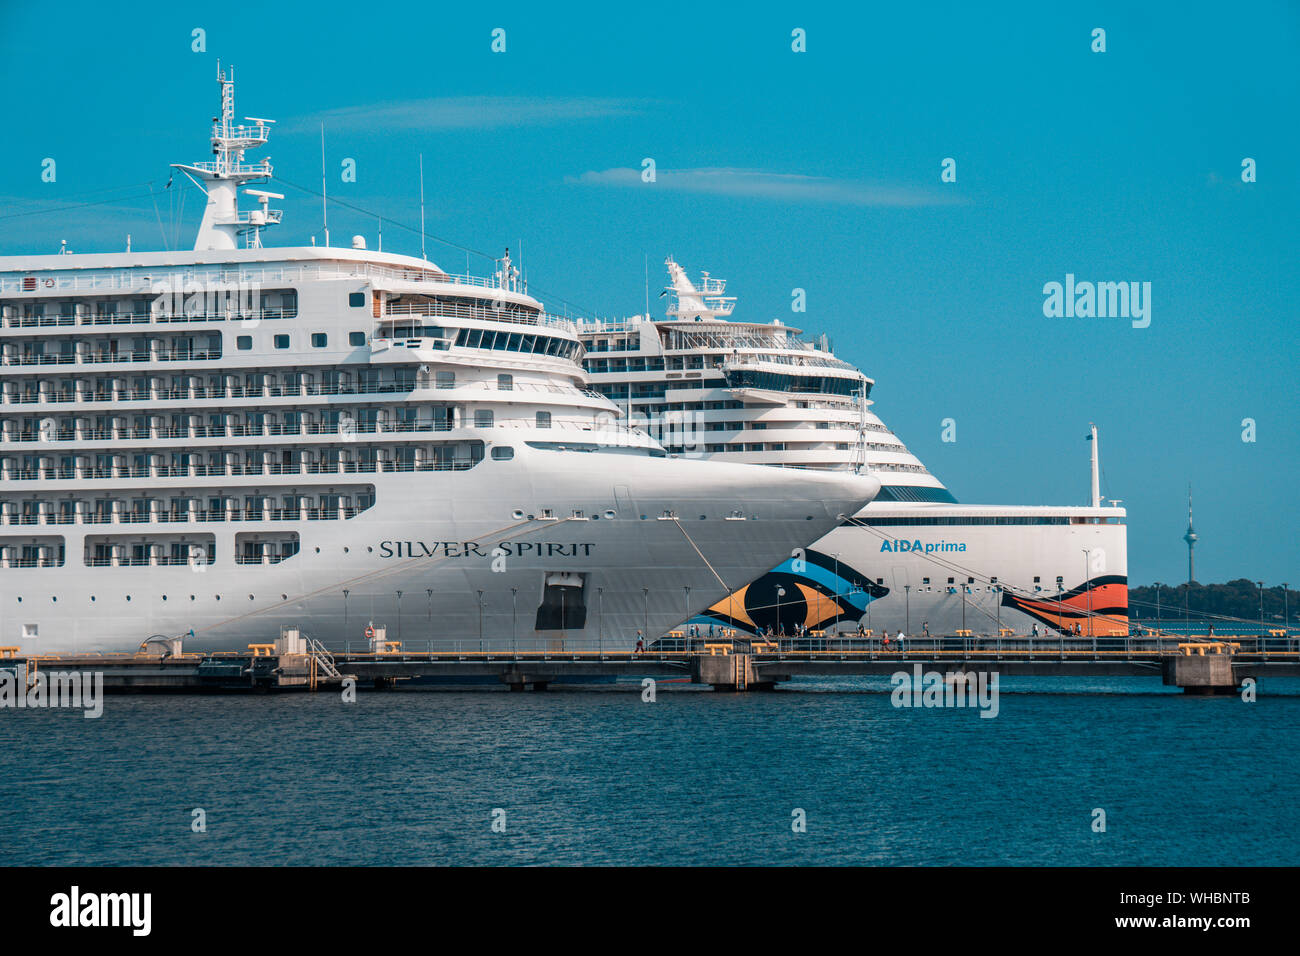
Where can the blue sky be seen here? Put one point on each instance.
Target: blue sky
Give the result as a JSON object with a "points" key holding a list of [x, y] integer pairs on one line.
{"points": [[776, 170]]}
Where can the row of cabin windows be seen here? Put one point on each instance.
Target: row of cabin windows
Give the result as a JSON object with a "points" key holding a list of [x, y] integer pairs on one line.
{"points": [[319, 340]]}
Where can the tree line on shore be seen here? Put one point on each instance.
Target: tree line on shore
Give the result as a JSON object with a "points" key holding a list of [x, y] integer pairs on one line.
{"points": [[1233, 599]]}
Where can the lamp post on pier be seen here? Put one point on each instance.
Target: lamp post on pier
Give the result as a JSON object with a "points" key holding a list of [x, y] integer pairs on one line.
{"points": [[780, 593], [1087, 583], [687, 605]]}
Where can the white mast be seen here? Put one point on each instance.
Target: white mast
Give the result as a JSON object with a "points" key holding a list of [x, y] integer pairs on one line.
{"points": [[324, 200], [423, 254], [1096, 468], [223, 223]]}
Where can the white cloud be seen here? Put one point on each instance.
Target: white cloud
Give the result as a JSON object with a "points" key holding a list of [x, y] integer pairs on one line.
{"points": [[754, 183], [468, 112]]}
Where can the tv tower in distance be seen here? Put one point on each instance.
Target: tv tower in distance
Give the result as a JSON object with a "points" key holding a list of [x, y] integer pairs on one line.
{"points": [[1191, 538]]}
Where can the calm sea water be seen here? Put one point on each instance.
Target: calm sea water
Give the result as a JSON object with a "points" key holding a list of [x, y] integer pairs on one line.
{"points": [[598, 776]]}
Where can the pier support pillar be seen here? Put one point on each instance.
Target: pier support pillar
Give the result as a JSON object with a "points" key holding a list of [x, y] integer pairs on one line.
{"points": [[734, 672], [518, 680], [1201, 674]]}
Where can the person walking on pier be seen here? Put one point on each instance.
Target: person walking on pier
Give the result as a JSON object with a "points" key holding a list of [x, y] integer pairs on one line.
{"points": [[640, 642], [1035, 631]]}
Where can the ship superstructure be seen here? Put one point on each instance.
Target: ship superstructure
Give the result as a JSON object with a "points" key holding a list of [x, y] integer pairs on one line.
{"points": [[228, 439], [748, 392], [912, 560]]}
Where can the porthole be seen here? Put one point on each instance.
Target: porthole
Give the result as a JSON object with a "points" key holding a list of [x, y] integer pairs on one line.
{"points": [[284, 597], [346, 549], [250, 597], [517, 515], [217, 596], [318, 550], [609, 514], [92, 597], [128, 597], [164, 597], [20, 600], [53, 598], [370, 547], [191, 597]]}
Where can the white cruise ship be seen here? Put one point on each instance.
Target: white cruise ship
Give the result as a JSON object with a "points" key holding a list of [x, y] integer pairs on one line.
{"points": [[914, 559], [220, 441]]}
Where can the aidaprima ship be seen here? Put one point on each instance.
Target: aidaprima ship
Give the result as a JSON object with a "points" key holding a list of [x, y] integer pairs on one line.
{"points": [[914, 560], [217, 442]]}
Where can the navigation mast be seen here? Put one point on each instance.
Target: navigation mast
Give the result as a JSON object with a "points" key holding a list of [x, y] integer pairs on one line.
{"points": [[709, 301], [223, 223]]}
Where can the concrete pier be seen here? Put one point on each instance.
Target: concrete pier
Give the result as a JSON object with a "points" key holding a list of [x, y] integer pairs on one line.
{"points": [[293, 663], [1202, 674]]}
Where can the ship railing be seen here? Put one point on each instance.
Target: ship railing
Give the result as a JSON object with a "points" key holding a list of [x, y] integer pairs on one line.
{"points": [[236, 470], [313, 513], [139, 279], [236, 169], [263, 558], [111, 358], [147, 318], [485, 314], [845, 645], [137, 561], [304, 389], [270, 429]]}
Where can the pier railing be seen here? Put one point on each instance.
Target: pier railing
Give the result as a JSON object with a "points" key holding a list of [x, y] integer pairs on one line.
{"points": [[1020, 647]]}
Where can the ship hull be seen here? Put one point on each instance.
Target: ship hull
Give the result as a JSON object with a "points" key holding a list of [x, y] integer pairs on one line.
{"points": [[914, 577], [454, 560]]}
